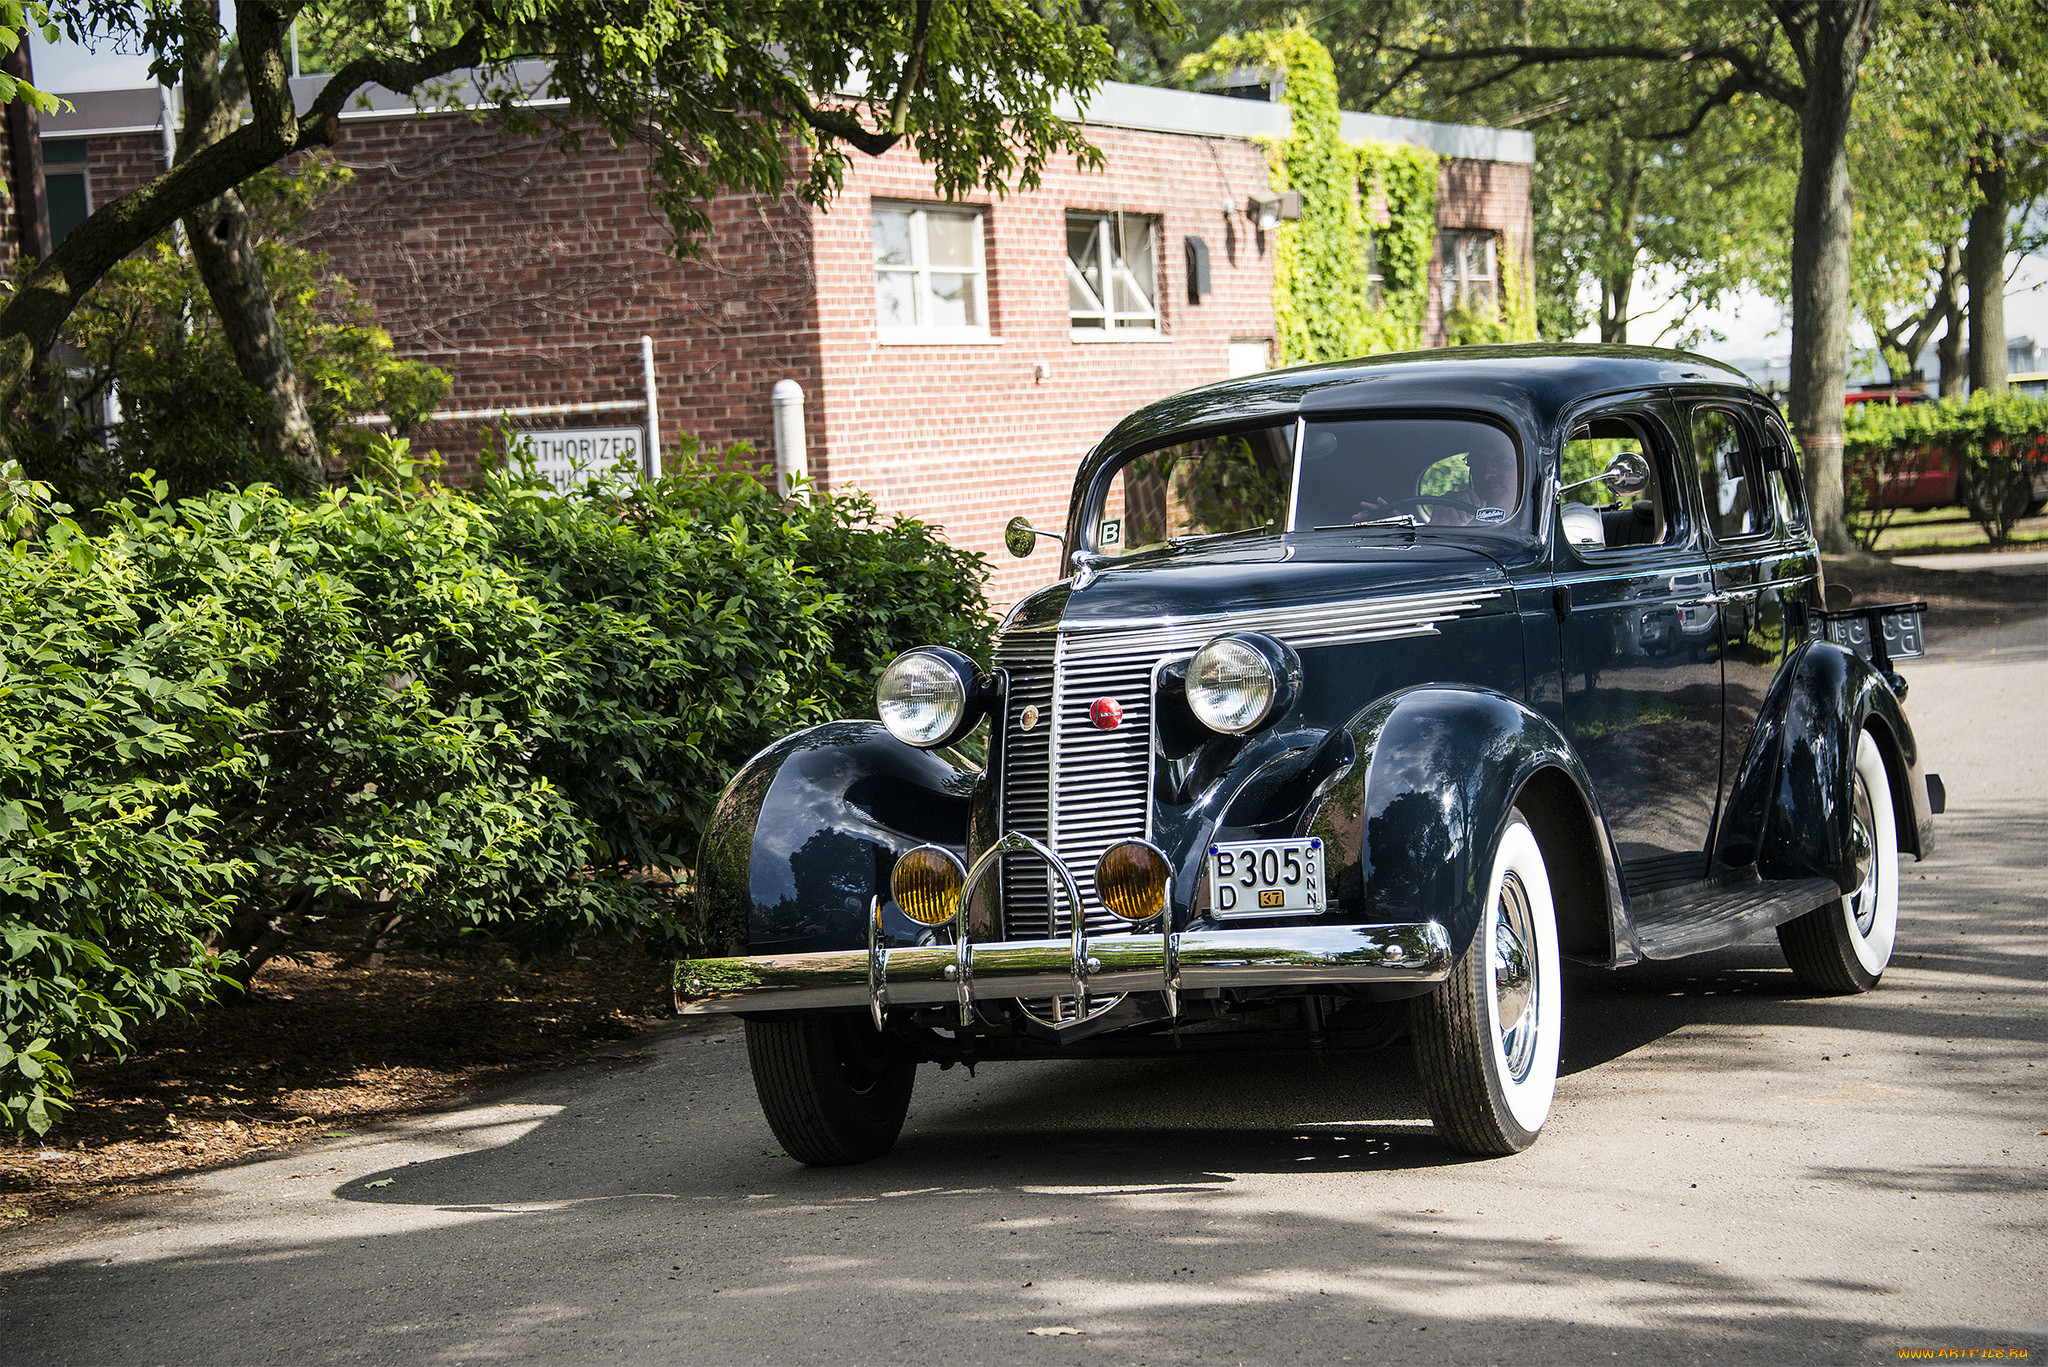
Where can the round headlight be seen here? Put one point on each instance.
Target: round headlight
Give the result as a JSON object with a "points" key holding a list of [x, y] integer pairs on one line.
{"points": [[923, 696], [1130, 878], [926, 885], [1236, 682]]}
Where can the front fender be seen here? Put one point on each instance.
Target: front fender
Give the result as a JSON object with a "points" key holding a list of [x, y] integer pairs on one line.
{"points": [[1412, 826], [808, 831], [1789, 808]]}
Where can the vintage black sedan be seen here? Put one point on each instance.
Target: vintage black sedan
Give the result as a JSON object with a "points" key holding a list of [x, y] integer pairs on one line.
{"points": [[1372, 692]]}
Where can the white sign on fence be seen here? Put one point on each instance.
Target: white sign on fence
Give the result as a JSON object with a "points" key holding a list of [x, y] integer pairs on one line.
{"points": [[569, 457]]}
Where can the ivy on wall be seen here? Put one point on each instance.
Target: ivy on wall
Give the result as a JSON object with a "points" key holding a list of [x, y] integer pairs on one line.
{"points": [[1322, 308], [1403, 180]]}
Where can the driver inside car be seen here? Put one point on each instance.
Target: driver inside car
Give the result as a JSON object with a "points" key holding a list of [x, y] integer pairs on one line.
{"points": [[1491, 492]]}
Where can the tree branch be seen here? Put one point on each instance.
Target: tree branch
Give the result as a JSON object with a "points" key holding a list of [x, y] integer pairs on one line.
{"points": [[841, 124], [913, 70]]}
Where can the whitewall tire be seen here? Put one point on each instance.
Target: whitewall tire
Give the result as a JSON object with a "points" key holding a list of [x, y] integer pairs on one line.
{"points": [[1487, 1039], [1844, 947]]}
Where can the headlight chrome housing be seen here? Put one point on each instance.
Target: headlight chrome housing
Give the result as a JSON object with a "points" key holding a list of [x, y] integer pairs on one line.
{"points": [[1241, 681], [929, 697]]}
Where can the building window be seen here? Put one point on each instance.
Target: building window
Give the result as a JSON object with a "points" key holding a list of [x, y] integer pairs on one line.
{"points": [[1112, 275], [64, 187], [1375, 278], [1471, 280], [929, 277]]}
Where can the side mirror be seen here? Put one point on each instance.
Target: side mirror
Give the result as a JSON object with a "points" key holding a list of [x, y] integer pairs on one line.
{"points": [[1627, 474], [1020, 538]]}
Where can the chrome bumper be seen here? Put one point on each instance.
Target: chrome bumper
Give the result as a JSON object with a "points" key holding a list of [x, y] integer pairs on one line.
{"points": [[921, 975]]}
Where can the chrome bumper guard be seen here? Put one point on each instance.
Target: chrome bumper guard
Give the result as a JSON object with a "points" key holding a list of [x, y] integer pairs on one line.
{"points": [[923, 975]]}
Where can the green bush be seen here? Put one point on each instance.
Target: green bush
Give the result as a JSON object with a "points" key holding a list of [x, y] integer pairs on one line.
{"points": [[1999, 441], [225, 717]]}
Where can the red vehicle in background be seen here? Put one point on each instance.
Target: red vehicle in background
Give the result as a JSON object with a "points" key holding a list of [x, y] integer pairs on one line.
{"points": [[1930, 477]]}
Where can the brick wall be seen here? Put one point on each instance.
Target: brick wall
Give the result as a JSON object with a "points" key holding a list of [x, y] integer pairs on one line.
{"points": [[967, 435], [531, 276], [1489, 195]]}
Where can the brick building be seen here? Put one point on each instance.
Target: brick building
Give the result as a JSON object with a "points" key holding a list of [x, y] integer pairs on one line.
{"points": [[956, 359]]}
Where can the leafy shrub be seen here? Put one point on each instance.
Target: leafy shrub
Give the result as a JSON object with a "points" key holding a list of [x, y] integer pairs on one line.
{"points": [[1999, 440], [226, 716]]}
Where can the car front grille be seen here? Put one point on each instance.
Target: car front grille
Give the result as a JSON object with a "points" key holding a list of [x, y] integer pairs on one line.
{"points": [[1067, 782]]}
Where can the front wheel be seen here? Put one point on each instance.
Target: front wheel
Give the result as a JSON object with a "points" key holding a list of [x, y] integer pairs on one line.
{"points": [[834, 1090], [1843, 948], [1486, 1040]]}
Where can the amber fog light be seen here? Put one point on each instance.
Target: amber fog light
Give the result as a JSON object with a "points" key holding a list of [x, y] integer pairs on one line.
{"points": [[927, 883], [1130, 878]]}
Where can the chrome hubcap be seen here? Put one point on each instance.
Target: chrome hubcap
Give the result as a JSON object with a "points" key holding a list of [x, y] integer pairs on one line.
{"points": [[1515, 986], [1863, 859]]}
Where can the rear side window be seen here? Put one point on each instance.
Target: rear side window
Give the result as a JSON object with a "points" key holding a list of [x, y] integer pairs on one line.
{"points": [[1731, 484], [1787, 482]]}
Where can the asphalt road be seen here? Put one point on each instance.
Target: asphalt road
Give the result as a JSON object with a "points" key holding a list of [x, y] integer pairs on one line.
{"points": [[1735, 1173]]}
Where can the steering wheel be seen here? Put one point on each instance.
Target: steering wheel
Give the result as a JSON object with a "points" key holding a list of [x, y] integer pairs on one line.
{"points": [[1388, 506]]}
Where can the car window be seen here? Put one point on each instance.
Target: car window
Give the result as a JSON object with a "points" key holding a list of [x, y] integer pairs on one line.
{"points": [[1445, 472], [1216, 484], [1787, 484], [1596, 518], [1729, 474]]}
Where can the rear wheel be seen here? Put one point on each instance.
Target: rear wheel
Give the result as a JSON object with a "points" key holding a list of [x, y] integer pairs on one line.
{"points": [[1843, 948], [834, 1090], [1486, 1040]]}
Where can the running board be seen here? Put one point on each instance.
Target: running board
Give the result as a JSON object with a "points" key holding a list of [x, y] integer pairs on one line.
{"points": [[1718, 913]]}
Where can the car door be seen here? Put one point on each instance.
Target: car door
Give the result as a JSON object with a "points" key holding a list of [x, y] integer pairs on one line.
{"points": [[1642, 684], [1760, 562]]}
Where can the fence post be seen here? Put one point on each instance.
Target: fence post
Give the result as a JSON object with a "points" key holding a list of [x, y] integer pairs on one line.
{"points": [[788, 400], [652, 464]]}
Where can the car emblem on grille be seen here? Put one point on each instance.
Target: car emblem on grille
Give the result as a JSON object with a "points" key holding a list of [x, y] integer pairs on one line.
{"points": [[1106, 713], [1027, 719]]}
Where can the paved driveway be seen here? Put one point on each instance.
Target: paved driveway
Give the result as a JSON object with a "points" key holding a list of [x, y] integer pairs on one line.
{"points": [[1735, 1172]]}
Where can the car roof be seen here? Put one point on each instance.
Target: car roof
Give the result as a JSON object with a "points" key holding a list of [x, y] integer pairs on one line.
{"points": [[1526, 384]]}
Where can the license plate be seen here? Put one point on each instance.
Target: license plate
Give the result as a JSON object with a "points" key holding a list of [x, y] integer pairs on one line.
{"points": [[1902, 640], [1266, 878]]}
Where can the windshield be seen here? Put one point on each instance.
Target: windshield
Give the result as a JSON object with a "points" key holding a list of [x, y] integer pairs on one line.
{"points": [[1442, 472], [1423, 472], [1206, 487]]}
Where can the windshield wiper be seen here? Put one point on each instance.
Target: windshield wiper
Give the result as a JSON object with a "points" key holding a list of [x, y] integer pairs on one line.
{"points": [[1397, 520]]}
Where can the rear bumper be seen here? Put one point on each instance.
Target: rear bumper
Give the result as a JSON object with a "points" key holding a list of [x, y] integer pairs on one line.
{"points": [[964, 973]]}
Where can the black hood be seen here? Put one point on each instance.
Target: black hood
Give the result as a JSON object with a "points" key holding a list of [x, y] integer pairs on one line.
{"points": [[1246, 574]]}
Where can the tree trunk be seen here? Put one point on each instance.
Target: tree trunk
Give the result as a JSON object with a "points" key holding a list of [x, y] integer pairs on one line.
{"points": [[1987, 267], [223, 251], [1950, 351], [1614, 295], [1822, 224], [1617, 285], [226, 257]]}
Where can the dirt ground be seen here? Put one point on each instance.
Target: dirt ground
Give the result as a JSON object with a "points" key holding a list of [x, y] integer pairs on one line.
{"points": [[322, 1046]]}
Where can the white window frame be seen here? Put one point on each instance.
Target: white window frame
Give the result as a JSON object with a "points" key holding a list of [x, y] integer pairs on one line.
{"points": [[1458, 281], [1116, 326], [920, 269]]}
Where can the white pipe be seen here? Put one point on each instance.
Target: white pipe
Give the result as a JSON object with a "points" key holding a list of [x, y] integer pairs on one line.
{"points": [[652, 465], [790, 461]]}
